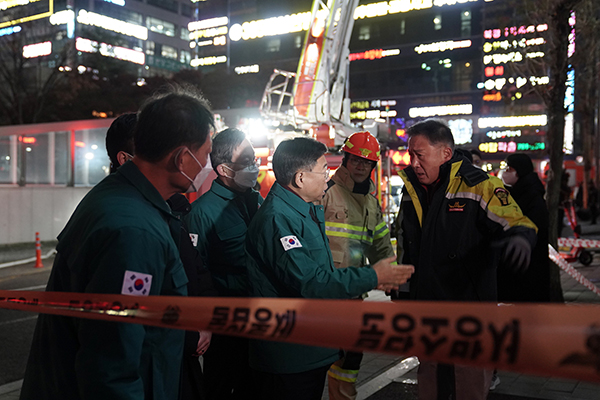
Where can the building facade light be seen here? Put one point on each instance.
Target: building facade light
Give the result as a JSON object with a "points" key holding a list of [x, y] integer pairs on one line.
{"points": [[37, 50], [112, 24], [514, 121], [442, 46], [457, 109], [201, 62]]}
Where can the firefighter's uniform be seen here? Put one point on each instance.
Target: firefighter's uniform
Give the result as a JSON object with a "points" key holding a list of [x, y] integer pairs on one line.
{"points": [[357, 233]]}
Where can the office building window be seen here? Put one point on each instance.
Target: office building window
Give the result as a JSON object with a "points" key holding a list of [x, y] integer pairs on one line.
{"points": [[169, 5], [184, 34], [160, 26], [465, 23], [364, 33], [273, 45], [437, 22], [150, 45], [168, 52], [185, 57]]}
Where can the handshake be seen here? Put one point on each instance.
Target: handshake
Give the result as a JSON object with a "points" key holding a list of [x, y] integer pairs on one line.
{"points": [[391, 276]]}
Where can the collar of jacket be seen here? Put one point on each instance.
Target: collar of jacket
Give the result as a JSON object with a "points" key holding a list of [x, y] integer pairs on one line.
{"points": [[296, 202], [411, 182], [132, 173], [342, 177]]}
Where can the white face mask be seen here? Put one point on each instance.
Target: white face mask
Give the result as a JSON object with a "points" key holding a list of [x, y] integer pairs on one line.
{"points": [[245, 178], [510, 177], [200, 176]]}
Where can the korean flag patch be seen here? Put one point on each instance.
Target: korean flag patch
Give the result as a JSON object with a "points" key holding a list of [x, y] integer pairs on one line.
{"points": [[290, 242], [136, 283]]}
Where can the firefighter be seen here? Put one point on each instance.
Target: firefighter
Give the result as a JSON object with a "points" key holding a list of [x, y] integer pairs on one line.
{"points": [[356, 230]]}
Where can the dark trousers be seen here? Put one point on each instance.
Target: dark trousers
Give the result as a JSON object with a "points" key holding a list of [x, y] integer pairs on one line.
{"points": [[227, 375], [306, 385]]}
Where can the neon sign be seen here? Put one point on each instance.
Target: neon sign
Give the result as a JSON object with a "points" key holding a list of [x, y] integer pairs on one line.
{"points": [[510, 122], [442, 46], [373, 54], [6, 4], [248, 69], [107, 50], [207, 23], [510, 147], [503, 134], [200, 62], [456, 109], [37, 50], [112, 24], [513, 31], [10, 30]]}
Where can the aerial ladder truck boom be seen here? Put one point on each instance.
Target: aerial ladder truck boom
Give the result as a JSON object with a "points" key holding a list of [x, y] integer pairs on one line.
{"points": [[317, 93]]}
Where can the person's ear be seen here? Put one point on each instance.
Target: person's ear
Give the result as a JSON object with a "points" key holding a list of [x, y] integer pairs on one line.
{"points": [[298, 180], [447, 153], [178, 158], [122, 157], [221, 171]]}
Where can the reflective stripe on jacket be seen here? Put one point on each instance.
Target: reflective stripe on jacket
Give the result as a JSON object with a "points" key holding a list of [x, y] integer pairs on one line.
{"points": [[354, 224], [450, 240]]}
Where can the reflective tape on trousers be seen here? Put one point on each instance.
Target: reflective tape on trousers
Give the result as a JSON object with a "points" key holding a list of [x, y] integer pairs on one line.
{"points": [[586, 243], [569, 269], [557, 340]]}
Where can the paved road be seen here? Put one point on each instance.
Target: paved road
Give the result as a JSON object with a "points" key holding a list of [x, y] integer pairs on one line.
{"points": [[16, 327]]}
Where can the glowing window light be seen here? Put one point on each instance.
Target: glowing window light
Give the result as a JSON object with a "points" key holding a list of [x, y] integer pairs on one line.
{"points": [[247, 69], [200, 44], [79, 144], [10, 30], [29, 140], [492, 97], [112, 24], [503, 134], [107, 50], [37, 50], [272, 26], [502, 58], [462, 130], [456, 109], [207, 23], [511, 122], [62, 17], [199, 62], [374, 54], [442, 46], [210, 32], [116, 2]]}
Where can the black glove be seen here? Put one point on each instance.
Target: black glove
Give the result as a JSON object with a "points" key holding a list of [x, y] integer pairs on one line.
{"points": [[517, 253]]}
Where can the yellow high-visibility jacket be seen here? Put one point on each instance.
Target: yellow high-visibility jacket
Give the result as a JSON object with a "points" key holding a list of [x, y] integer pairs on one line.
{"points": [[354, 223]]}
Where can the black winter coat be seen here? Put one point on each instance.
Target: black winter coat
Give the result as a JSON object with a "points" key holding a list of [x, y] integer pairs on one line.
{"points": [[534, 284]]}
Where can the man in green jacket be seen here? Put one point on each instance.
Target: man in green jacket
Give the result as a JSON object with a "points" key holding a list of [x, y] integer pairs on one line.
{"points": [[123, 239], [219, 220], [290, 257]]}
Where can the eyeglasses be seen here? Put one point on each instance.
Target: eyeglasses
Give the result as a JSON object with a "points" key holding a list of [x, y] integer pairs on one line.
{"points": [[324, 173], [256, 161], [356, 161]]}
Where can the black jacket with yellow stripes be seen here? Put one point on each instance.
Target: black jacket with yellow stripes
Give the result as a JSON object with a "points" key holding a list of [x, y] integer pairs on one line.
{"points": [[451, 238]]}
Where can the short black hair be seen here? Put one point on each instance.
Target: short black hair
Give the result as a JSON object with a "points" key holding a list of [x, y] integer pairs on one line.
{"points": [[296, 154], [179, 117], [475, 152], [435, 130], [224, 144], [119, 137]]}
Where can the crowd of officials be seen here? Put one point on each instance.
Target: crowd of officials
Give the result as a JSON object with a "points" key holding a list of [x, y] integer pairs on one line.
{"points": [[313, 236]]}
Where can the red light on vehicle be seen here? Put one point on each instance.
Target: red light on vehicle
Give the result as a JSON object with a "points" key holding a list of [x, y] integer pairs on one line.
{"points": [[401, 133], [79, 144], [400, 157], [29, 140]]}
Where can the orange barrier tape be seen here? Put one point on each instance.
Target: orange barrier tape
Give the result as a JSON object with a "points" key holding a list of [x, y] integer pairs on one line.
{"points": [[586, 243], [557, 340], [569, 269]]}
